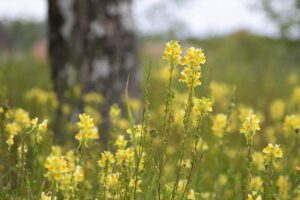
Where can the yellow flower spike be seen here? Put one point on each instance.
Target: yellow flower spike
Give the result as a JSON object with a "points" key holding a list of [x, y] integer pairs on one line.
{"points": [[172, 52], [249, 127], [191, 72], [87, 129]]}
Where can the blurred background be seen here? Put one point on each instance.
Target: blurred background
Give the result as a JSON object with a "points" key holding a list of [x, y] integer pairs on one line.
{"points": [[73, 47]]}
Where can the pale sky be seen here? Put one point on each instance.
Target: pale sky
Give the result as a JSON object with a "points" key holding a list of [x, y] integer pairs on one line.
{"points": [[202, 17]]}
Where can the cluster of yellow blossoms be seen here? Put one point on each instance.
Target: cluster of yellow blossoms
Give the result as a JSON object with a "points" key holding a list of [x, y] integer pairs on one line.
{"points": [[113, 167], [56, 166], [273, 151], [192, 62], [249, 126], [40, 129], [21, 124], [87, 129], [202, 106], [63, 171], [172, 52]]}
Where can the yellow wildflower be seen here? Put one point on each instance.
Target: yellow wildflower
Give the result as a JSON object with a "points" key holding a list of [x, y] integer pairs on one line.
{"points": [[186, 164], [219, 125], [192, 62], [12, 128], [121, 142], [172, 52], [249, 127], [125, 156], [202, 106], [191, 195], [22, 118], [56, 166], [107, 158], [10, 141], [87, 129], [112, 179], [273, 151], [42, 127], [138, 131], [250, 124]]}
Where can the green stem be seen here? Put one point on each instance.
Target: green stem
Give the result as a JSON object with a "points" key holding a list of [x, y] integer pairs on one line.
{"points": [[166, 128]]}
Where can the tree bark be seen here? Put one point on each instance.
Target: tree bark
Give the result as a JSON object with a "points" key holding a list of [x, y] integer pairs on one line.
{"points": [[97, 39]]}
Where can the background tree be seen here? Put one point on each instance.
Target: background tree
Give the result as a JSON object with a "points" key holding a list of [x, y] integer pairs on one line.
{"points": [[285, 15], [93, 42]]}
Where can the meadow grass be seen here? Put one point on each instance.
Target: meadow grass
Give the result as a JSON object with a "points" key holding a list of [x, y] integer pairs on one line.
{"points": [[224, 126]]}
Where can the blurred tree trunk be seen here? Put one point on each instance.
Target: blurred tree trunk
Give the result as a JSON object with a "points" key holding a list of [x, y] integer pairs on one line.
{"points": [[96, 40]]}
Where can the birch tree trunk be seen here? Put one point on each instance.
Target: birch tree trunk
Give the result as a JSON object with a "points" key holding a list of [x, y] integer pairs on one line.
{"points": [[96, 39]]}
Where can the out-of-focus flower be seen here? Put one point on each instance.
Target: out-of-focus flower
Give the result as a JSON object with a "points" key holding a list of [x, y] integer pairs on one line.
{"points": [[202, 106], [277, 109], [291, 124], [219, 125]]}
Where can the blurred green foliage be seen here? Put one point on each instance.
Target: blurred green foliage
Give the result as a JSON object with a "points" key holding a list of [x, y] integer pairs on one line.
{"points": [[259, 66]]}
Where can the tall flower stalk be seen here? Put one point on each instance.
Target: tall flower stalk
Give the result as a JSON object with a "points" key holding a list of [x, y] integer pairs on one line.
{"points": [[190, 75], [172, 54], [272, 153], [249, 128]]}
